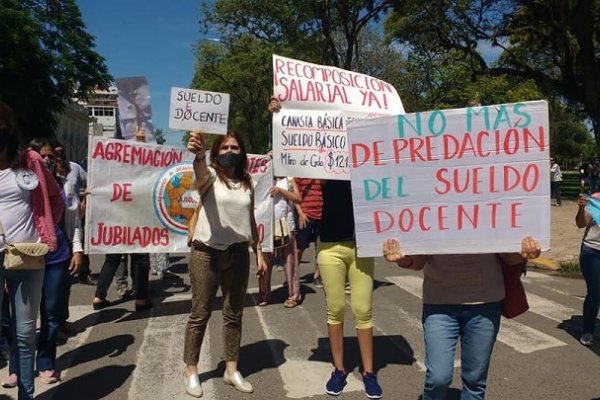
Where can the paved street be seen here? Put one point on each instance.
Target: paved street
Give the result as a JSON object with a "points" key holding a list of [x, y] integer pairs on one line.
{"points": [[125, 355]]}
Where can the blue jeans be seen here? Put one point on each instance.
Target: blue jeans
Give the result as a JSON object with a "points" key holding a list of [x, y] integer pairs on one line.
{"points": [[52, 313], [25, 293], [589, 260], [477, 326]]}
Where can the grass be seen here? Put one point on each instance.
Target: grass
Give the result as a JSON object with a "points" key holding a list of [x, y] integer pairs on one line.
{"points": [[570, 268]]}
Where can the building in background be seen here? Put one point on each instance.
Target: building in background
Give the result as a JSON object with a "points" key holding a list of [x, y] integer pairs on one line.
{"points": [[103, 112], [72, 131]]}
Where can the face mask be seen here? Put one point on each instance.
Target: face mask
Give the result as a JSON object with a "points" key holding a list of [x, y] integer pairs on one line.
{"points": [[50, 164], [229, 159]]}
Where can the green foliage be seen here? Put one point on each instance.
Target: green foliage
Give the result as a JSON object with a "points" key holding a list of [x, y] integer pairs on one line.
{"points": [[570, 268], [554, 43], [251, 31], [46, 58], [159, 136]]}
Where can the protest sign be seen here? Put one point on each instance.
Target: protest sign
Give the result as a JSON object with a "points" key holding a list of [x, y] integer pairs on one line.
{"points": [[309, 133], [198, 110], [142, 197], [260, 168], [135, 111], [472, 180]]}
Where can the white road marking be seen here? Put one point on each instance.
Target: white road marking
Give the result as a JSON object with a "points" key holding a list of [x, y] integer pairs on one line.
{"points": [[159, 366], [311, 381], [519, 337]]}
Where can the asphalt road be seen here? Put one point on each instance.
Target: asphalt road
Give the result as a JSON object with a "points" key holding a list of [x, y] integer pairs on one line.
{"points": [[121, 354]]}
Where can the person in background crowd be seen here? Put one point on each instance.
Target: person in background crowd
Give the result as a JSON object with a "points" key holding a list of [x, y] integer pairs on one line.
{"points": [[462, 296], [31, 205], [140, 271], [309, 219], [589, 260], [283, 192], [555, 180], [219, 256], [337, 261], [77, 176], [60, 264]]}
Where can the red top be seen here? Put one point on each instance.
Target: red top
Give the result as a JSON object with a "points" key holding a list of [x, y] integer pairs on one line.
{"points": [[312, 197]]}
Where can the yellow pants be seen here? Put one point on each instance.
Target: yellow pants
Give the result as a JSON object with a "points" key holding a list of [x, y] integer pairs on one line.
{"points": [[336, 261]]}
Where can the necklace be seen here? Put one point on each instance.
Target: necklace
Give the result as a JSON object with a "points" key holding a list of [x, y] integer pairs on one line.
{"points": [[235, 184]]}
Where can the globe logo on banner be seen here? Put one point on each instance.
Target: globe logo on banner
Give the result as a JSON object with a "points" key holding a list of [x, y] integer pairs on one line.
{"points": [[174, 197]]}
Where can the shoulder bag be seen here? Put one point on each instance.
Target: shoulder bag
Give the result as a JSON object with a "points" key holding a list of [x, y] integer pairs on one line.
{"points": [[23, 256]]}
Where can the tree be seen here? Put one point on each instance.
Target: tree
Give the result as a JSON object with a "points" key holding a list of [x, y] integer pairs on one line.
{"points": [[239, 62], [46, 59], [160, 136], [554, 43]]}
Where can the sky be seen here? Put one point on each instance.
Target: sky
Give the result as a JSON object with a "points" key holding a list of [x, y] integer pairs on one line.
{"points": [[151, 38]]}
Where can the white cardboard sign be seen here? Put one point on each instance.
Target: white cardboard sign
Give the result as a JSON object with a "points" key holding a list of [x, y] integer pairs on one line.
{"points": [[471, 180], [309, 133], [201, 110]]}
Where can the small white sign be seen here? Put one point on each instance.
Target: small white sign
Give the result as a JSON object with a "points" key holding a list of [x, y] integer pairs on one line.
{"points": [[198, 110]]}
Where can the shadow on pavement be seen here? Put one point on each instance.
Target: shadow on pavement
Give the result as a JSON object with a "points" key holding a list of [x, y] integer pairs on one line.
{"points": [[97, 384], [260, 356], [573, 327], [387, 350], [110, 347]]}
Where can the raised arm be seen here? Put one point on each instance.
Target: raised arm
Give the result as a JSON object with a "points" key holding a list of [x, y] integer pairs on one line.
{"points": [[196, 144]]}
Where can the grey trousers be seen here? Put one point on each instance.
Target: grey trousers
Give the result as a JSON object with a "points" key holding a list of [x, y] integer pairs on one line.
{"points": [[209, 270]]}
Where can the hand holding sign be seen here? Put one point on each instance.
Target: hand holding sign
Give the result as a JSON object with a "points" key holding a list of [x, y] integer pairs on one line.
{"points": [[530, 248], [196, 144]]}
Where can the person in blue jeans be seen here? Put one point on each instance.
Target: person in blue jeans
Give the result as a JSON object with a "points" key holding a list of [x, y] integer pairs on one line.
{"points": [[462, 296], [589, 260]]}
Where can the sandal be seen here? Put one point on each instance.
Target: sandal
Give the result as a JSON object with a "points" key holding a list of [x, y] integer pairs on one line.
{"points": [[263, 303], [289, 303]]}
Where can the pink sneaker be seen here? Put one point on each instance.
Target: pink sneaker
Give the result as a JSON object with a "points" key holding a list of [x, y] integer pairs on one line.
{"points": [[9, 381], [48, 376]]}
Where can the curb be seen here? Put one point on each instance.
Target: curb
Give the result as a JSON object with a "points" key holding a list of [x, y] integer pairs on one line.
{"points": [[545, 263]]}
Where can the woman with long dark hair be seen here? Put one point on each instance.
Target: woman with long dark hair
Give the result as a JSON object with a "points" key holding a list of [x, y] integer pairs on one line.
{"points": [[219, 257], [31, 205]]}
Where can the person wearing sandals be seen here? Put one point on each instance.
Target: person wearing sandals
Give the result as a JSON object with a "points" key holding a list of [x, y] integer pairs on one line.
{"points": [[462, 296], [140, 271], [61, 264], [219, 256], [337, 262], [283, 192]]}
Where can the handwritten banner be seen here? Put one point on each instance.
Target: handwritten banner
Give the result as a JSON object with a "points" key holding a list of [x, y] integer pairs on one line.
{"points": [[472, 180], [199, 110], [142, 197], [309, 133]]}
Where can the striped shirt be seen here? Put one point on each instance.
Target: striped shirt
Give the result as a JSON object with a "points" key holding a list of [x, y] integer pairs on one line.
{"points": [[312, 197]]}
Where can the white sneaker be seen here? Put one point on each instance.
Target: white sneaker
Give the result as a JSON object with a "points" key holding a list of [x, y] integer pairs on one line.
{"points": [[587, 339], [237, 381]]}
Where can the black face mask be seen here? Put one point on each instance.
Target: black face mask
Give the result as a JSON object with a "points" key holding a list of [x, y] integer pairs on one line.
{"points": [[229, 159]]}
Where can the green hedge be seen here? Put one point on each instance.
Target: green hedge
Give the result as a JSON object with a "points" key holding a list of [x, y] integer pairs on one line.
{"points": [[571, 185]]}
